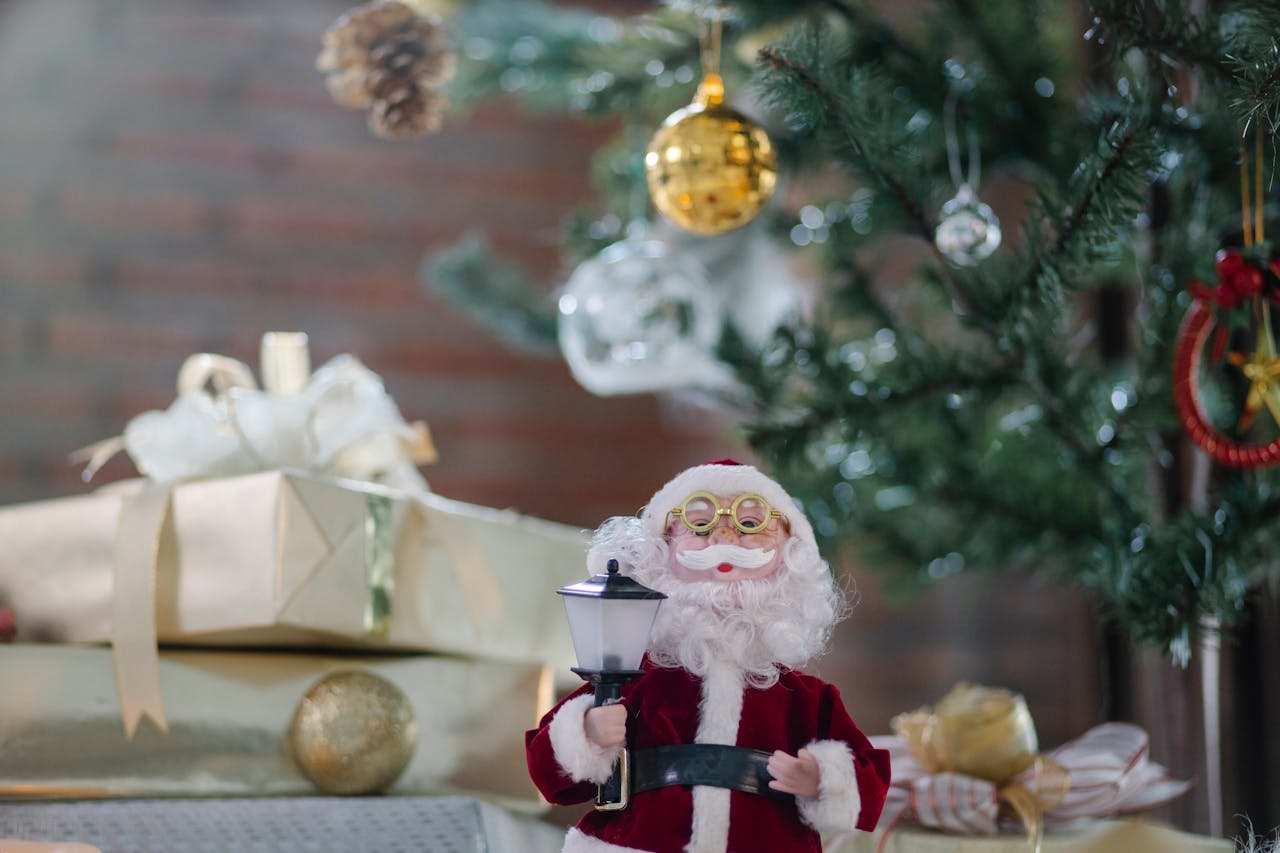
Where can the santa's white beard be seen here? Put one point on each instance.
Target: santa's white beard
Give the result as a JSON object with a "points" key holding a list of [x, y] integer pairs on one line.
{"points": [[757, 626]]}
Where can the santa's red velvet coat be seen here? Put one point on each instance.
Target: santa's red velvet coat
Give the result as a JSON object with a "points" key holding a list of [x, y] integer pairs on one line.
{"points": [[670, 706]]}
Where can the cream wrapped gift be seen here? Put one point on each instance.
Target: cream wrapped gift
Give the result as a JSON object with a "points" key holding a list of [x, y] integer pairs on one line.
{"points": [[284, 559], [294, 514], [229, 713]]}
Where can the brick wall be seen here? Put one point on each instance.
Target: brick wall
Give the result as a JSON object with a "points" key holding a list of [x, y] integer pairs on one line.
{"points": [[174, 178]]}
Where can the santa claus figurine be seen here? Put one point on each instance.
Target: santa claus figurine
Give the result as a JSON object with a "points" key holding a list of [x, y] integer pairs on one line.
{"points": [[731, 748]]}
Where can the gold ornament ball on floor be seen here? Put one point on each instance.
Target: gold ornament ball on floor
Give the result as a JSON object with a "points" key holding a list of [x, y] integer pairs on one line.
{"points": [[710, 169], [353, 733]]}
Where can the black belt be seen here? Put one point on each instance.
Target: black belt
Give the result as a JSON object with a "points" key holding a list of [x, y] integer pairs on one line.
{"points": [[733, 767]]}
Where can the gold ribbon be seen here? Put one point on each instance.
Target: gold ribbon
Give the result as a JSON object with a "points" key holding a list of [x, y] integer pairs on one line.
{"points": [[1029, 811], [477, 582], [379, 564], [988, 734], [133, 606]]}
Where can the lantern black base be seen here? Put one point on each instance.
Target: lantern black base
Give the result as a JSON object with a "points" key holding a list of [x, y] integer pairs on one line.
{"points": [[608, 682]]}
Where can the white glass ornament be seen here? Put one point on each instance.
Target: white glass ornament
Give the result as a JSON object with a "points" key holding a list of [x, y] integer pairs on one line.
{"points": [[968, 231], [767, 283], [638, 317]]}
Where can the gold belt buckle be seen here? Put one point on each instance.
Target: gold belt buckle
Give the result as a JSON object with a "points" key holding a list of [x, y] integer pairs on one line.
{"points": [[624, 785]]}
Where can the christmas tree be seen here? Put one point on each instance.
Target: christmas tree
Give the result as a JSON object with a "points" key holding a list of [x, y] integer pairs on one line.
{"points": [[985, 410]]}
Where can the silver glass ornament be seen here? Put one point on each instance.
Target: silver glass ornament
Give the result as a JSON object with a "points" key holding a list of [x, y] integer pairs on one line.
{"points": [[639, 317], [968, 230]]}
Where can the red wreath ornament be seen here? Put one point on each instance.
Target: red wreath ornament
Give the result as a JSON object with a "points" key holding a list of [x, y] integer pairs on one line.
{"points": [[1243, 283]]}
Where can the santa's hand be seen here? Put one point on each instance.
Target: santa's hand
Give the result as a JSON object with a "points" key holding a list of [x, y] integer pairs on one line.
{"points": [[794, 774], [606, 726]]}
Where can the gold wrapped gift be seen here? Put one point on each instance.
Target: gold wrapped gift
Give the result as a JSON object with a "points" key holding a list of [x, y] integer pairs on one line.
{"points": [[284, 559], [1106, 836], [229, 712]]}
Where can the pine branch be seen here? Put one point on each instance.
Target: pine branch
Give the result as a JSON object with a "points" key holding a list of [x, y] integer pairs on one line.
{"points": [[924, 226], [882, 170], [493, 292], [1168, 30], [875, 30], [1261, 99], [1017, 80], [1110, 196]]}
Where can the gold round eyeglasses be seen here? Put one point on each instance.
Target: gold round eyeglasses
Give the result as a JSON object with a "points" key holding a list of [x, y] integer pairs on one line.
{"points": [[750, 513]]}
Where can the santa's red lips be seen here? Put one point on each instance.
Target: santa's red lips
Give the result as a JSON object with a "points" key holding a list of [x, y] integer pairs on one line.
{"points": [[724, 567]]}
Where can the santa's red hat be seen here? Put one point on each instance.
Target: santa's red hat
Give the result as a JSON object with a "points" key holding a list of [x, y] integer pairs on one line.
{"points": [[724, 478]]}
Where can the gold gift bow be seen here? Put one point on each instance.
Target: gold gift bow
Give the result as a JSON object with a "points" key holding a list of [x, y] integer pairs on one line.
{"points": [[144, 515], [988, 736]]}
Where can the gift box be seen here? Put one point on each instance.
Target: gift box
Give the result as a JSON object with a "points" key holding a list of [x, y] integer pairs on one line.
{"points": [[971, 765], [1104, 836], [228, 717], [283, 558], [314, 824]]}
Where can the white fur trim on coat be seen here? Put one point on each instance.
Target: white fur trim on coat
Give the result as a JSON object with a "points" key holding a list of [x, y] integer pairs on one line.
{"points": [[579, 842], [719, 715], [581, 759], [722, 480], [838, 803]]}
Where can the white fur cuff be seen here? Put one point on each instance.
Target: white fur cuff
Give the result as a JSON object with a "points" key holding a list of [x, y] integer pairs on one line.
{"points": [[838, 803], [581, 759], [578, 841]]}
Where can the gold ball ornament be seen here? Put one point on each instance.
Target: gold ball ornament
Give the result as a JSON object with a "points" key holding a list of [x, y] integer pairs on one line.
{"points": [[353, 733], [710, 169]]}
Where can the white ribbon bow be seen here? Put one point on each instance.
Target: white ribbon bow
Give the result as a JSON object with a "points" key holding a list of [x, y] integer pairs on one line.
{"points": [[342, 424]]}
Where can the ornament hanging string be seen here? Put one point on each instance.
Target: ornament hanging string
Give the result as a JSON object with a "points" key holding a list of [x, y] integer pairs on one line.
{"points": [[1252, 227], [953, 146], [711, 89], [709, 37]]}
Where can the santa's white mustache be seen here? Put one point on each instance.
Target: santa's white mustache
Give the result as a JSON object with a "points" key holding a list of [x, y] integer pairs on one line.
{"points": [[713, 555]]}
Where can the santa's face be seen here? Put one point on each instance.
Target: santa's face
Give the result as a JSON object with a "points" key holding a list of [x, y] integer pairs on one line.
{"points": [[724, 538]]}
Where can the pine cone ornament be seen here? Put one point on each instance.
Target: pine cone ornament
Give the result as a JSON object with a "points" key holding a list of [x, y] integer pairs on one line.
{"points": [[392, 59]]}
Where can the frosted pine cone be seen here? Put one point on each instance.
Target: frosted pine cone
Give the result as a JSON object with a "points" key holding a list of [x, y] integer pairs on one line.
{"points": [[390, 58], [407, 112]]}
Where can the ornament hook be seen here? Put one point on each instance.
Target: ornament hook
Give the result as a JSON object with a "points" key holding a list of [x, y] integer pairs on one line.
{"points": [[710, 30]]}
